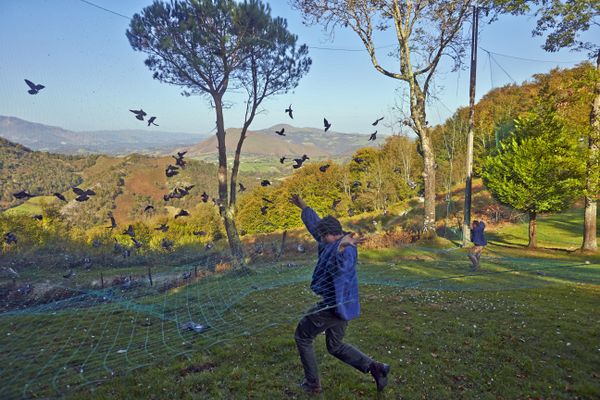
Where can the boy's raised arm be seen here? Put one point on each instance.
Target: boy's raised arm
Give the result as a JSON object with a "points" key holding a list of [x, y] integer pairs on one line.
{"points": [[309, 216]]}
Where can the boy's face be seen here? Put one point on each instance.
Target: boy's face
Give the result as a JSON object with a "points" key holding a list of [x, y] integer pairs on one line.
{"points": [[331, 238]]}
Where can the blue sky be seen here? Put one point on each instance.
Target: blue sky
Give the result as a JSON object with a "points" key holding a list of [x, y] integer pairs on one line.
{"points": [[93, 76]]}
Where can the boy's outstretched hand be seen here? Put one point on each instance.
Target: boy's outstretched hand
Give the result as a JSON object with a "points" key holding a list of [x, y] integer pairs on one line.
{"points": [[351, 239], [297, 201]]}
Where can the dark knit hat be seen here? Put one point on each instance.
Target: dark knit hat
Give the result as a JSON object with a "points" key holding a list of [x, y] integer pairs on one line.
{"points": [[329, 225]]}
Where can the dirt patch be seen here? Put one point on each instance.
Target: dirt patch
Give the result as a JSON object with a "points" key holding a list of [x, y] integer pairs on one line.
{"points": [[197, 368]]}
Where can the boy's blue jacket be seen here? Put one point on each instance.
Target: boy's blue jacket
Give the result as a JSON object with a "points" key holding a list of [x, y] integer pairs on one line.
{"points": [[477, 235], [334, 277]]}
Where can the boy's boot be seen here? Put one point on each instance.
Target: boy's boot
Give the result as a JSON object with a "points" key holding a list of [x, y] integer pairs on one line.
{"points": [[379, 371]]}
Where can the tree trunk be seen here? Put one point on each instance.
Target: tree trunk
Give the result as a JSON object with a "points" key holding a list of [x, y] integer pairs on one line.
{"points": [[589, 221], [532, 230], [226, 212], [429, 182]]}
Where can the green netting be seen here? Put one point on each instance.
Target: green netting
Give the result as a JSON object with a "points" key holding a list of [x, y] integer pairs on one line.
{"points": [[90, 334]]}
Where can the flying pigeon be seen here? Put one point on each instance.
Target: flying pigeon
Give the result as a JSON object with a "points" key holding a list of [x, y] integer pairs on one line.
{"points": [[182, 213], [242, 187], [129, 231], [162, 228], [204, 197], [281, 132], [83, 195], [113, 223], [136, 243], [23, 194], [33, 88], [282, 159], [326, 124], [290, 111], [59, 196], [335, 203], [377, 121], [265, 182], [167, 244], [179, 161], [323, 168], [148, 208], [171, 170], [139, 114], [70, 274], [151, 121], [10, 238], [373, 136]]}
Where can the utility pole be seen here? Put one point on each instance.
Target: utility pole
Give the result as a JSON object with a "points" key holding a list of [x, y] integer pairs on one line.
{"points": [[469, 179]]}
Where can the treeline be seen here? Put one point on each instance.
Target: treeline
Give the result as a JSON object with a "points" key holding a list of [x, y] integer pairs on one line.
{"points": [[570, 90]]}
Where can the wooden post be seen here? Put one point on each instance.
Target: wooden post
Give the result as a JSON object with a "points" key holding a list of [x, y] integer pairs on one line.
{"points": [[282, 247], [150, 276], [466, 228]]}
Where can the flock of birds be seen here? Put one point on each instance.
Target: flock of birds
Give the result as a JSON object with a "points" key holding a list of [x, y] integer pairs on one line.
{"points": [[178, 192]]}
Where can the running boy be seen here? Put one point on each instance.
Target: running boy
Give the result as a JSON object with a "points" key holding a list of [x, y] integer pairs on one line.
{"points": [[334, 278]]}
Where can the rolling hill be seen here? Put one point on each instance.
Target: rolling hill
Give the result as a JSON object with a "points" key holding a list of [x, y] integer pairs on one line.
{"points": [[55, 139]]}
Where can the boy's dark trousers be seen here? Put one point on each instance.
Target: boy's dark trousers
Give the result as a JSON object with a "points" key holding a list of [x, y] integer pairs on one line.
{"points": [[334, 327]]}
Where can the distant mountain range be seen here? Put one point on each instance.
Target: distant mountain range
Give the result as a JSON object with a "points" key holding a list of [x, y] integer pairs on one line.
{"points": [[264, 142], [114, 142]]}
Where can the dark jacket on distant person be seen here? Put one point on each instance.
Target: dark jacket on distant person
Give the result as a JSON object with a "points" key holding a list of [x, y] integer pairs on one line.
{"points": [[477, 235]]}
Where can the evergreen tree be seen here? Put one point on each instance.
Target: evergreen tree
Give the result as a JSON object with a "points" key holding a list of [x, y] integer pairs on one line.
{"points": [[538, 168]]}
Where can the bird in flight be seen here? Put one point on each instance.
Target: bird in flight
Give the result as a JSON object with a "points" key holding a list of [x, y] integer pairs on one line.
{"points": [[33, 88], [204, 197], [290, 111], [267, 200], [265, 182], [282, 159], [300, 161], [129, 231], [83, 195], [151, 121], [377, 121], [162, 228], [326, 124], [323, 168], [373, 136], [136, 243], [113, 223], [182, 213], [10, 238], [171, 171], [139, 114], [281, 132], [242, 187], [23, 194], [148, 208], [60, 196]]}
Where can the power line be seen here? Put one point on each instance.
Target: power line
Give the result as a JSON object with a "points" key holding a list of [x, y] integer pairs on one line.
{"points": [[105, 9], [527, 59]]}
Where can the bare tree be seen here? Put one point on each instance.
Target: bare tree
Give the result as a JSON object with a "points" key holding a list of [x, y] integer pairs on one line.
{"points": [[426, 31]]}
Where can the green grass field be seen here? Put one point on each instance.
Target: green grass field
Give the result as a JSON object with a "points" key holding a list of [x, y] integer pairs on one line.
{"points": [[524, 326]]}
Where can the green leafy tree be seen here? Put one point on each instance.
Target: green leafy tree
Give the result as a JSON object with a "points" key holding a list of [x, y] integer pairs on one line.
{"points": [[564, 23], [209, 47], [537, 169]]}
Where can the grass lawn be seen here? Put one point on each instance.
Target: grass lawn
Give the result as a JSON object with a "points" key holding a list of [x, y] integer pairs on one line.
{"points": [[524, 326]]}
